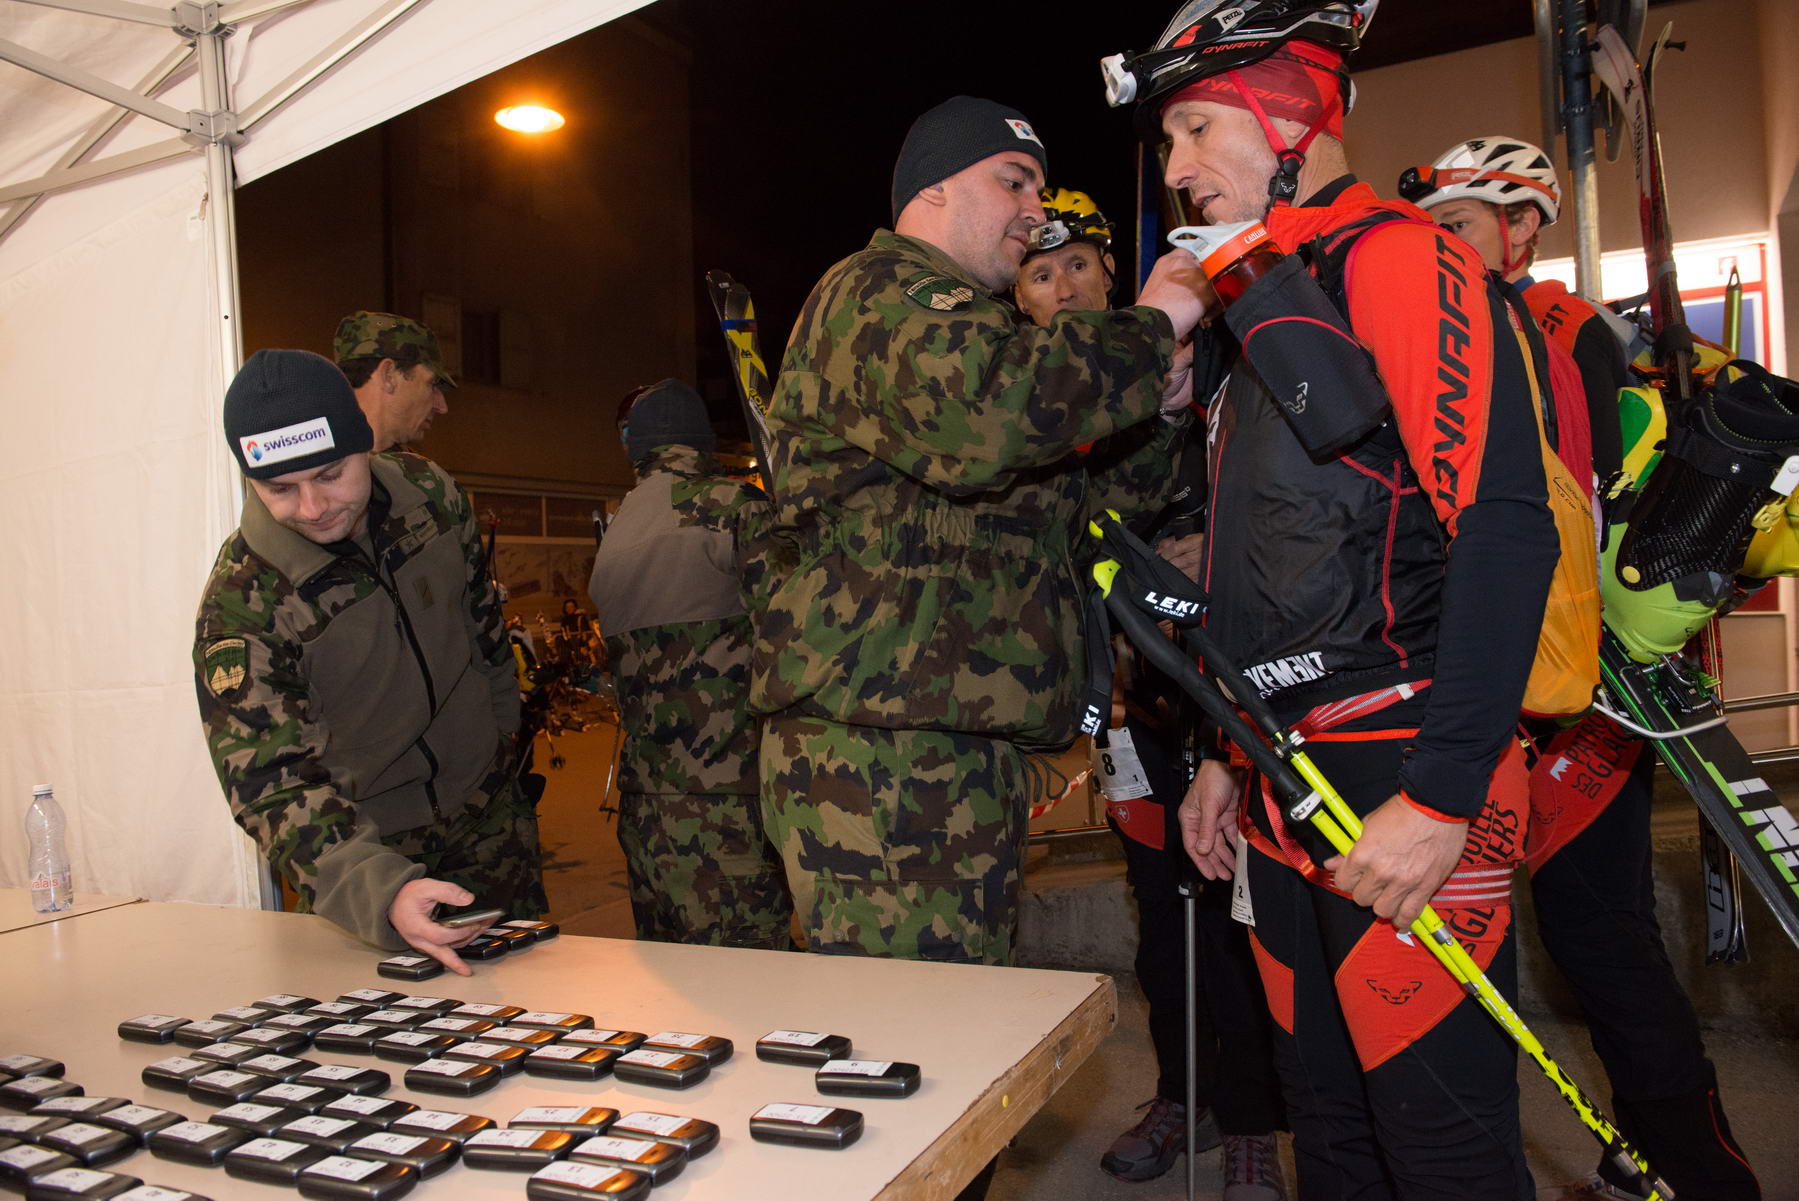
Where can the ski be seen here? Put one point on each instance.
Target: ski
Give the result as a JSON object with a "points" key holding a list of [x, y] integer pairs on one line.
{"points": [[1749, 819], [737, 321], [1617, 69]]}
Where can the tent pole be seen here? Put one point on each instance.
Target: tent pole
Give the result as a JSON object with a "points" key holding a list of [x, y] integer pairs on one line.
{"points": [[221, 199], [148, 86]]}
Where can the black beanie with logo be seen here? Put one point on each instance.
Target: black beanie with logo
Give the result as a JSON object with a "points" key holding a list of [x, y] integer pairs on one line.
{"points": [[956, 134], [292, 410]]}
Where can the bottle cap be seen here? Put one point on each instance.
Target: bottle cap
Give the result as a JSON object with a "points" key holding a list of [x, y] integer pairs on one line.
{"points": [[38, 790], [1218, 246]]}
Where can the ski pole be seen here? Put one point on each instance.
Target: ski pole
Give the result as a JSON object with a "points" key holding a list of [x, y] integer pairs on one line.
{"points": [[1308, 796]]}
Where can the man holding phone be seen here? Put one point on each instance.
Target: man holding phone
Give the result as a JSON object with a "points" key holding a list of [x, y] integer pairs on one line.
{"points": [[355, 689]]}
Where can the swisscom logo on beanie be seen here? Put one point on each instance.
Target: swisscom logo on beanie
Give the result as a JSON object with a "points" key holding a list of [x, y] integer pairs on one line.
{"points": [[288, 442]]}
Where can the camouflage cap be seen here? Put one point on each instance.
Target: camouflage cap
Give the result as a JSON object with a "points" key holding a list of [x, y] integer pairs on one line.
{"points": [[366, 335]]}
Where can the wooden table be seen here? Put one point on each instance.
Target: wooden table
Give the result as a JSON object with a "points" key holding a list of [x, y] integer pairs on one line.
{"points": [[993, 1043], [16, 912]]}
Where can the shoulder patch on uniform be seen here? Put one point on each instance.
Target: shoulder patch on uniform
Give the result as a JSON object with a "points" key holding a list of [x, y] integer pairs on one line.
{"points": [[940, 292], [227, 667]]}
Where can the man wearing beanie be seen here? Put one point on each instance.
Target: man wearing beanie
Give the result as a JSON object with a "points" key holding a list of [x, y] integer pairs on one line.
{"points": [[354, 685], [667, 596], [1386, 597], [918, 630]]}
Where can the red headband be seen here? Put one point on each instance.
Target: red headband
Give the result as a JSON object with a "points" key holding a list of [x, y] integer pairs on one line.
{"points": [[1304, 87]]}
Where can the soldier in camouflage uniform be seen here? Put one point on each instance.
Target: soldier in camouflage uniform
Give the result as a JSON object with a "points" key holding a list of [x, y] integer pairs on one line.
{"points": [[667, 596], [918, 625], [354, 687], [398, 371]]}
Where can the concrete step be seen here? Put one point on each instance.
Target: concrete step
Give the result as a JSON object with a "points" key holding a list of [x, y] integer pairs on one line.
{"points": [[1076, 912]]}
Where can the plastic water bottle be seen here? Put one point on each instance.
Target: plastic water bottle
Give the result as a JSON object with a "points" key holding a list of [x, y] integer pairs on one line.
{"points": [[51, 888]]}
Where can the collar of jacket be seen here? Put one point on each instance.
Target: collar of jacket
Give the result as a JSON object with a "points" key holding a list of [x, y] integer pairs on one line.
{"points": [[297, 557], [937, 260], [686, 461]]}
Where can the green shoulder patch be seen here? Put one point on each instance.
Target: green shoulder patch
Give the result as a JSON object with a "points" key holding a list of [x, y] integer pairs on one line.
{"points": [[941, 293], [226, 664]]}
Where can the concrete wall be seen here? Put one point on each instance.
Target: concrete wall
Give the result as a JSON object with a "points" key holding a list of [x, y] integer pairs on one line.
{"points": [[577, 243], [1715, 117]]}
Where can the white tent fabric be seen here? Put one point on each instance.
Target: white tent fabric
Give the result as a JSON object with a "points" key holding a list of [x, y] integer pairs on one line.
{"points": [[116, 483]]}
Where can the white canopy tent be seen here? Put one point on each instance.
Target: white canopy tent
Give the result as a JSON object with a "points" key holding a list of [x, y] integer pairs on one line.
{"points": [[124, 127]]}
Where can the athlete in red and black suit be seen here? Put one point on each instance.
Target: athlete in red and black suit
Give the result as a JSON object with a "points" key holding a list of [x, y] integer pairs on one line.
{"points": [[1387, 601], [1588, 849]]}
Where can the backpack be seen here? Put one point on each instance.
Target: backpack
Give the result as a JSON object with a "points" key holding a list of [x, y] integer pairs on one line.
{"points": [[1566, 668]]}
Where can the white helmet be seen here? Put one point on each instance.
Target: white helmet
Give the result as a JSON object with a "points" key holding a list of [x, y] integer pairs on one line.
{"points": [[1497, 170]]}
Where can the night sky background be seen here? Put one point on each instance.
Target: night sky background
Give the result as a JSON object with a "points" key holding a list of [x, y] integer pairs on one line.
{"points": [[799, 108]]}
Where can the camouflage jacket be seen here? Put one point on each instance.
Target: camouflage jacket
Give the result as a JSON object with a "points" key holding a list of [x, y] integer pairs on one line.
{"points": [[345, 703], [666, 593], [919, 570]]}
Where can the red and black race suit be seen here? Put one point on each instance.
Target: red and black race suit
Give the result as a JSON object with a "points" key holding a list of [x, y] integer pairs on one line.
{"points": [[1423, 552]]}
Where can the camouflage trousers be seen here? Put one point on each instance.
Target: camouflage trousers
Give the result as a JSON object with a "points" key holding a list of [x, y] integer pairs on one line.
{"points": [[897, 843], [702, 872], [490, 849]]}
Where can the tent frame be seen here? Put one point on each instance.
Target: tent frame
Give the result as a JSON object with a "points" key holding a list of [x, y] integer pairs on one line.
{"points": [[214, 130]]}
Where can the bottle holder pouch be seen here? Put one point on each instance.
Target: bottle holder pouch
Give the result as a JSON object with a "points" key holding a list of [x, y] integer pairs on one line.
{"points": [[1693, 516], [1321, 378]]}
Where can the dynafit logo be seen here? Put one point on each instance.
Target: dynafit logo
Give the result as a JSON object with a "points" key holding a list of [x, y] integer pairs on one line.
{"points": [[288, 442]]}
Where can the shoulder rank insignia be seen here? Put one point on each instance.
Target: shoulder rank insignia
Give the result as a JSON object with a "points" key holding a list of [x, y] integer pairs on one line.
{"points": [[942, 293], [227, 667]]}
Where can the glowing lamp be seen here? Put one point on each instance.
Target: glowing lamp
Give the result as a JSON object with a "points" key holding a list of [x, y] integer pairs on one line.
{"points": [[529, 118]]}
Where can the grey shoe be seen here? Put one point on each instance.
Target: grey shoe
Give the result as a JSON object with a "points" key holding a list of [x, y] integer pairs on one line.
{"points": [[1252, 1168], [1150, 1148]]}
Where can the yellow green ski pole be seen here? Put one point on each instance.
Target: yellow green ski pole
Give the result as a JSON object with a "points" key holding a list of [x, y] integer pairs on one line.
{"points": [[1308, 796]]}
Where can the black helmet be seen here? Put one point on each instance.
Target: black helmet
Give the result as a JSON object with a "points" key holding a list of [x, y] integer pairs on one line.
{"points": [[1209, 37]]}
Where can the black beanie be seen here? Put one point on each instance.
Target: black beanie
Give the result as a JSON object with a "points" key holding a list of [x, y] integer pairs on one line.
{"points": [[666, 413], [959, 133], [292, 410]]}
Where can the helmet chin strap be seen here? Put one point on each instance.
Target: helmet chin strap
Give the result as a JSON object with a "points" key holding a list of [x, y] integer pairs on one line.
{"points": [[1283, 185]]}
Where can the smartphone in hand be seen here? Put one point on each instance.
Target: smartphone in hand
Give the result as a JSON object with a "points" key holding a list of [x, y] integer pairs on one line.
{"points": [[468, 915]]}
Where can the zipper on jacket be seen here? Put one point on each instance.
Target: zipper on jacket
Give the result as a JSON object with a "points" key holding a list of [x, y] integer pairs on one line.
{"points": [[403, 623]]}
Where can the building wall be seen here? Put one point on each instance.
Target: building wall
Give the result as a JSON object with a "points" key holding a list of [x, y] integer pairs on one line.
{"points": [[1711, 106], [573, 251]]}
